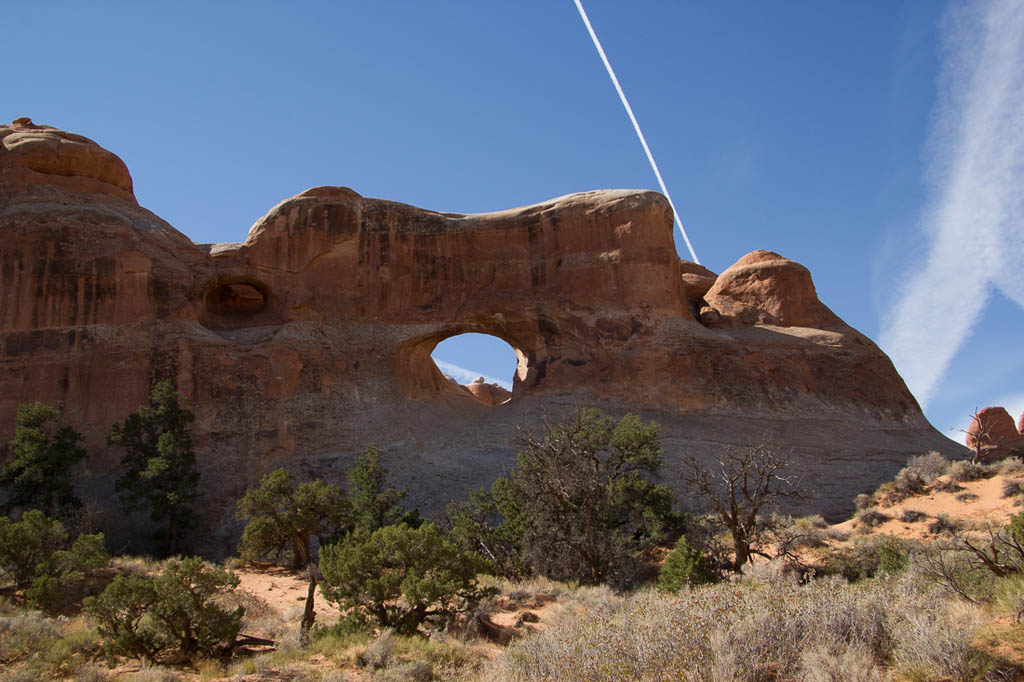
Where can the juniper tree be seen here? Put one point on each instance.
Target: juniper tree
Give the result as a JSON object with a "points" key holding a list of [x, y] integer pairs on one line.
{"points": [[579, 505], [160, 466], [284, 516], [39, 475]]}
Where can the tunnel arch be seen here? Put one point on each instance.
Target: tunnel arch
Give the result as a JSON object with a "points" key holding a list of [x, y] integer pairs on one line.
{"points": [[419, 377], [481, 364]]}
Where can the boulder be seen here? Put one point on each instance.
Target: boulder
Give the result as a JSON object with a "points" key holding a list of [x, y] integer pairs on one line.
{"points": [[765, 288], [993, 435], [697, 279], [489, 393]]}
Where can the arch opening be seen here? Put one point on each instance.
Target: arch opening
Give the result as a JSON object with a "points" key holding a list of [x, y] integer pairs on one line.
{"points": [[237, 299], [482, 365]]}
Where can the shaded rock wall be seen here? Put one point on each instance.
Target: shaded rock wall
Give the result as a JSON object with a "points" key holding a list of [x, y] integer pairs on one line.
{"points": [[313, 337]]}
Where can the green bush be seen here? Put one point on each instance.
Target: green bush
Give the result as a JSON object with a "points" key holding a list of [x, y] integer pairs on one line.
{"points": [[38, 475], [920, 472], [34, 553], [141, 616], [964, 470], [578, 506], [399, 576], [870, 556], [283, 516], [684, 566], [27, 543]]}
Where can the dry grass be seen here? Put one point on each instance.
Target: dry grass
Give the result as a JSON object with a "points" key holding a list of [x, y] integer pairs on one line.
{"points": [[752, 631]]}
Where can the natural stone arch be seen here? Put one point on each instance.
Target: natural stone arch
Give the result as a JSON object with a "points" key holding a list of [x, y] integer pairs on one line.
{"points": [[419, 377]]}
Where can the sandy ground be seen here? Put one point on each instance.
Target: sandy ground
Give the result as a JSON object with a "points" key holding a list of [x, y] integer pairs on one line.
{"points": [[981, 504], [284, 590]]}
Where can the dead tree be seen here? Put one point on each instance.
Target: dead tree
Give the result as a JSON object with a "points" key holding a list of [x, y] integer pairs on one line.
{"points": [[741, 488]]}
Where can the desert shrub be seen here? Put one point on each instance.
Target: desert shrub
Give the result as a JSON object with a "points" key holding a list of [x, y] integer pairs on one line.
{"points": [[943, 524], [49, 648], [947, 486], [934, 640], [398, 576], [909, 481], [406, 671], [921, 471], [378, 652], [27, 543], [850, 663], [870, 556], [872, 518], [1009, 596], [141, 616], [155, 674], [35, 553], [913, 516], [887, 495], [447, 657], [965, 470], [1010, 466], [684, 566], [953, 571], [578, 506], [91, 673], [1012, 487], [25, 635], [743, 632], [862, 502]]}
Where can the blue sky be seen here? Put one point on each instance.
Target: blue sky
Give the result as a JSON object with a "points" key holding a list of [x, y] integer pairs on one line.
{"points": [[847, 136]]}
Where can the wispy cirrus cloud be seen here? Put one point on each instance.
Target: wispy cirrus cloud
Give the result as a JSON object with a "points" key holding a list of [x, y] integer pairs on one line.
{"points": [[974, 222], [465, 376]]}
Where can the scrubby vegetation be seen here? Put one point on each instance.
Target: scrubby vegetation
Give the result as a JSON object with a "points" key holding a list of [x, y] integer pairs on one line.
{"points": [[579, 505], [573, 563]]}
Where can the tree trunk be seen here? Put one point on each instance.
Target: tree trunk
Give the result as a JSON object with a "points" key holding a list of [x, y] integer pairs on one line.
{"points": [[308, 614], [742, 550]]}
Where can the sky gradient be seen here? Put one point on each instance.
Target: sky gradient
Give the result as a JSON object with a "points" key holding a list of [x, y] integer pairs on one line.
{"points": [[878, 143]]}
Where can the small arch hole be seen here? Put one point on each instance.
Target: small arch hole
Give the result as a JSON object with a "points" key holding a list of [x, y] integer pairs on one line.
{"points": [[235, 300]]}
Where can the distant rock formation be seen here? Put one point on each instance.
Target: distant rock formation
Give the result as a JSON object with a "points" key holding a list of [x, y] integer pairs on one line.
{"points": [[489, 393], [313, 337], [993, 435]]}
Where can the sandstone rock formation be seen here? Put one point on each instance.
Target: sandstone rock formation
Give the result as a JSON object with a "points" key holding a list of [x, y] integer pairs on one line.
{"points": [[489, 393], [993, 435], [313, 337]]}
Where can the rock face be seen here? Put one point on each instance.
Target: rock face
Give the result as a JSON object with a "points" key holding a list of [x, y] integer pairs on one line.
{"points": [[993, 435], [313, 337]]}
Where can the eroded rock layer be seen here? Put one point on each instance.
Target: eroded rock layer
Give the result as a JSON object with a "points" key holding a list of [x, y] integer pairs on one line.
{"points": [[313, 337]]}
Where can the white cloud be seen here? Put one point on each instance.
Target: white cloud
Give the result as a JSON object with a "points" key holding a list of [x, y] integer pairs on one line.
{"points": [[975, 220], [465, 376]]}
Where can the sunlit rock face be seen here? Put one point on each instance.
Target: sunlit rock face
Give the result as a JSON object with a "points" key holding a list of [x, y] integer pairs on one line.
{"points": [[993, 435], [313, 337]]}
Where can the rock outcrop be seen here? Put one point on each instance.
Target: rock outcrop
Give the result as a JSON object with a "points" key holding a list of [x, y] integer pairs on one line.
{"points": [[993, 435], [489, 393], [314, 336]]}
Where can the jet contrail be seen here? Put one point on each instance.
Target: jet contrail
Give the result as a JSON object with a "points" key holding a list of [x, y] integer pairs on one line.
{"points": [[975, 220], [636, 126]]}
